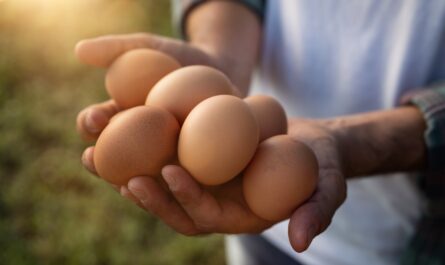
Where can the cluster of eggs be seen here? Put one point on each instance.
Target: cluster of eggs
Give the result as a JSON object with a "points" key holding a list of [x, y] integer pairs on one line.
{"points": [[195, 117]]}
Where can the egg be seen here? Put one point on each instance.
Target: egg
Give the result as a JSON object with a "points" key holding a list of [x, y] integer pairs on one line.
{"points": [[269, 114], [281, 176], [133, 74], [137, 142], [180, 91], [218, 139]]}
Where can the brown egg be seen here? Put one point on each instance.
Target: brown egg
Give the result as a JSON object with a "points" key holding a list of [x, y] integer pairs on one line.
{"points": [[138, 142], [282, 175], [180, 91], [218, 139], [269, 114], [133, 74]]}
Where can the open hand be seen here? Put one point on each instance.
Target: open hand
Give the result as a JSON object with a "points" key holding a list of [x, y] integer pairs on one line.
{"points": [[192, 209], [177, 198]]}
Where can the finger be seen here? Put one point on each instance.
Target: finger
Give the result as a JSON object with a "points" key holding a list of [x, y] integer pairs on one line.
{"points": [[126, 193], [102, 51], [92, 120], [315, 215], [88, 161], [199, 204], [157, 201], [235, 209]]}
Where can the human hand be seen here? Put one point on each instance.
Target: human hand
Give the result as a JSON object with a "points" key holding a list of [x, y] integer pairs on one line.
{"points": [[363, 144], [192, 209], [232, 211], [314, 216], [187, 206], [209, 205], [102, 51]]}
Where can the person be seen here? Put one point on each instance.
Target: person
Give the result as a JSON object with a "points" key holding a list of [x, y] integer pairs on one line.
{"points": [[357, 81]]}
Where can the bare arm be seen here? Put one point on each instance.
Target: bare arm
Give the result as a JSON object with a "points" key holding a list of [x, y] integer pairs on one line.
{"points": [[230, 32], [381, 142]]}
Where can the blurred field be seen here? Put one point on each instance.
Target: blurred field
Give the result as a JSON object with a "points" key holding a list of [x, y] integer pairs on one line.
{"points": [[51, 210]]}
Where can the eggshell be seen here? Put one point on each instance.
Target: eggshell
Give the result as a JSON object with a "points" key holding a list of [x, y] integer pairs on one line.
{"points": [[282, 175], [269, 114], [133, 74], [180, 91], [138, 142], [218, 139]]}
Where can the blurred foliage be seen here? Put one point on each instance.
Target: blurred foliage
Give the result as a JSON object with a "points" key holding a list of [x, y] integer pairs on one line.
{"points": [[51, 210]]}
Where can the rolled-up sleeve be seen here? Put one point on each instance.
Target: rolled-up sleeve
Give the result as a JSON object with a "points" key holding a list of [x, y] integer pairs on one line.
{"points": [[431, 103]]}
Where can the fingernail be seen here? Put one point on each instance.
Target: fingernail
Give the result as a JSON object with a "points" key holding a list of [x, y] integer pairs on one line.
{"points": [[87, 157], [311, 233], [90, 124], [93, 121], [171, 181]]}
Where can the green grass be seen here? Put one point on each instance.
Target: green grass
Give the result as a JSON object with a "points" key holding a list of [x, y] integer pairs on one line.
{"points": [[51, 210]]}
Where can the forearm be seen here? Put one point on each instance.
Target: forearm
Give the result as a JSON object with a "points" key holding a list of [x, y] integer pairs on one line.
{"points": [[230, 32], [381, 142]]}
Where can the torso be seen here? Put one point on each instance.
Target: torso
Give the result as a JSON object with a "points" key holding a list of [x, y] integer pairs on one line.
{"points": [[328, 58]]}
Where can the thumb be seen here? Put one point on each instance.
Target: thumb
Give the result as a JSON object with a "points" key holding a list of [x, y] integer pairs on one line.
{"points": [[102, 51], [314, 216]]}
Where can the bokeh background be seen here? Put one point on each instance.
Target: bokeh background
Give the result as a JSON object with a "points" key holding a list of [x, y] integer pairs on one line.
{"points": [[51, 210]]}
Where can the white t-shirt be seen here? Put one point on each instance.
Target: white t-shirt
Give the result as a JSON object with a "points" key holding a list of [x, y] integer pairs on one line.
{"points": [[325, 58]]}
